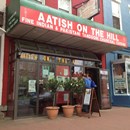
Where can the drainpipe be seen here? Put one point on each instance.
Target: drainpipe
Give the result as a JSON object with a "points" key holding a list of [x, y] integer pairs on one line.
{"points": [[2, 32]]}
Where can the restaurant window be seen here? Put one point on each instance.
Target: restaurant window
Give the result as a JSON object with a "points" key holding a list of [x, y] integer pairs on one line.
{"points": [[62, 51], [46, 48], [62, 68], [62, 60], [77, 68], [77, 71], [46, 58], [65, 5], [116, 14], [90, 63], [77, 62], [119, 77], [47, 71], [62, 72], [28, 56], [26, 45]]}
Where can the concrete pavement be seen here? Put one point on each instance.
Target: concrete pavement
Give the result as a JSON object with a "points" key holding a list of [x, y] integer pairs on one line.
{"points": [[117, 118]]}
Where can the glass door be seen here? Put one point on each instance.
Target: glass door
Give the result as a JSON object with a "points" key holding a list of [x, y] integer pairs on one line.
{"points": [[27, 91]]}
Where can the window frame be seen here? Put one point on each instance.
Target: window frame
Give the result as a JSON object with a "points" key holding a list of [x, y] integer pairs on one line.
{"points": [[119, 16], [129, 8], [70, 9]]}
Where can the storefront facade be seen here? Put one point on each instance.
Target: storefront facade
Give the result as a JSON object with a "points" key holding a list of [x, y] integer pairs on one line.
{"points": [[44, 43], [120, 95]]}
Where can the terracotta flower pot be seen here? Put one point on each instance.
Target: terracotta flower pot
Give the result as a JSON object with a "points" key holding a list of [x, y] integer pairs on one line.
{"points": [[68, 110], [78, 109], [52, 112]]}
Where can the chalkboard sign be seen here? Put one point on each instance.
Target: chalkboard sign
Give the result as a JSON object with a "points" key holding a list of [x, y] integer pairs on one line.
{"points": [[92, 102]]}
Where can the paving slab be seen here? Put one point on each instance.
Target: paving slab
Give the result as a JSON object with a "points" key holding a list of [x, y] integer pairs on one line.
{"points": [[116, 118]]}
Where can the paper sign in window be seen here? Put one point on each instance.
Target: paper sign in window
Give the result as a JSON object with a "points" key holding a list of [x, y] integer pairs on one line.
{"points": [[65, 72], [32, 86]]}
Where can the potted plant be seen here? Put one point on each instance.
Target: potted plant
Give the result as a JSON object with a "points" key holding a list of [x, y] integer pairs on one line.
{"points": [[68, 109], [52, 85], [79, 91]]}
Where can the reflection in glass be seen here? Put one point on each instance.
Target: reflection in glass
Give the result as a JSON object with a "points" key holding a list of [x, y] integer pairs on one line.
{"points": [[119, 73], [26, 88], [47, 58], [90, 63], [28, 56], [77, 71], [77, 62], [63, 60], [46, 71]]}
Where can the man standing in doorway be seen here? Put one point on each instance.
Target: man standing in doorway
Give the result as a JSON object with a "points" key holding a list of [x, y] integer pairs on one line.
{"points": [[89, 84]]}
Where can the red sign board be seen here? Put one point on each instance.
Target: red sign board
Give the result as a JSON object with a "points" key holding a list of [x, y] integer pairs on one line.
{"points": [[62, 97], [47, 21], [62, 71]]}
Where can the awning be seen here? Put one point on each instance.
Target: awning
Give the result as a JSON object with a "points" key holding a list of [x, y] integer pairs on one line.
{"points": [[32, 21], [44, 49]]}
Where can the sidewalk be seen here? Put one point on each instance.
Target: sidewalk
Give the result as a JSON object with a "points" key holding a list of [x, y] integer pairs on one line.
{"points": [[116, 118]]}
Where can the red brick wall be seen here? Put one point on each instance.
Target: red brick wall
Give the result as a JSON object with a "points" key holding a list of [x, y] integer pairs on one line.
{"points": [[100, 17], [103, 59], [52, 3], [7, 2]]}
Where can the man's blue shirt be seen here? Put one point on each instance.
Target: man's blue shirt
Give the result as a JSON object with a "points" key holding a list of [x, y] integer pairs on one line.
{"points": [[89, 83]]}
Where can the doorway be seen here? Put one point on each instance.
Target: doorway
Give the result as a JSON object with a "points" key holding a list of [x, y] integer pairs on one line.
{"points": [[101, 78], [94, 74]]}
